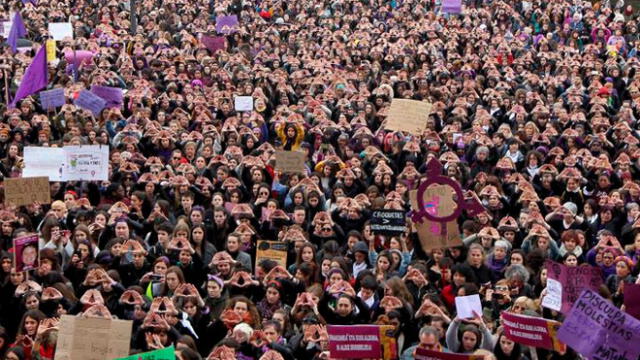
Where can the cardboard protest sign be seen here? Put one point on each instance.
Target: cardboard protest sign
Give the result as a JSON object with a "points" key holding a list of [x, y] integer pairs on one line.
{"points": [[424, 354], [430, 232], [388, 222], [271, 250], [632, 300], [354, 341], [573, 281], [89, 101], [52, 99], [60, 31], [243, 103], [43, 161], [452, 6], [532, 331], [408, 115], [597, 329], [167, 353], [82, 338], [290, 161], [51, 50], [111, 95], [88, 163], [553, 299], [468, 306], [26, 255], [226, 24], [26, 191], [213, 43]]}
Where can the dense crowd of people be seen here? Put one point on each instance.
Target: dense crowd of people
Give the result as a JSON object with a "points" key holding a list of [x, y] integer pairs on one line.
{"points": [[535, 111]]}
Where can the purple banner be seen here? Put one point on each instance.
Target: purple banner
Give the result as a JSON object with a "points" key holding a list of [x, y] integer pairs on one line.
{"points": [[111, 95], [52, 99], [632, 300], [452, 6], [354, 341], [213, 43], [598, 330], [87, 100], [574, 280], [226, 24]]}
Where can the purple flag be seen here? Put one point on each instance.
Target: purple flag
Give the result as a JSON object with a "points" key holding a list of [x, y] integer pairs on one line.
{"points": [[17, 31], [213, 43], [34, 2], [226, 24], [35, 78]]}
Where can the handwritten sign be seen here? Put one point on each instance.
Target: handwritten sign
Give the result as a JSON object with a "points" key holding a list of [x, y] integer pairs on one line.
{"points": [[88, 163], [573, 280], [89, 101], [431, 234], [532, 331], [60, 31], [26, 254], [408, 115], [452, 6], [354, 341], [424, 354], [6, 28], [388, 222], [271, 250], [226, 24], [26, 191], [553, 299], [597, 329], [92, 338], [52, 99], [111, 95], [290, 161], [43, 161], [468, 306], [243, 103]]}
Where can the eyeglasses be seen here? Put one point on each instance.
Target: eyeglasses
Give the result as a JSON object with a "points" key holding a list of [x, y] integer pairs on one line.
{"points": [[325, 229]]}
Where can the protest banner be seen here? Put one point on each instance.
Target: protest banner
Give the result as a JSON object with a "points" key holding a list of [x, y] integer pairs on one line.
{"points": [[26, 255], [468, 307], [388, 222], [452, 6], [89, 163], [532, 331], [27, 190], [60, 31], [243, 103], [632, 300], [424, 354], [290, 161], [408, 115], [52, 99], [213, 43], [597, 329], [81, 338], [354, 341], [111, 95], [51, 50], [226, 24], [167, 353], [271, 250], [89, 101], [43, 161], [573, 281]]}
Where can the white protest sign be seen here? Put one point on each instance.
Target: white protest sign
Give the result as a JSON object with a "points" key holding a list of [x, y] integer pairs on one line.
{"points": [[59, 31], [553, 299], [6, 28], [243, 103], [466, 306], [43, 161], [86, 163]]}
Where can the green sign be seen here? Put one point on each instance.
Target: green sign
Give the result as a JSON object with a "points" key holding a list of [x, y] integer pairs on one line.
{"points": [[162, 354]]}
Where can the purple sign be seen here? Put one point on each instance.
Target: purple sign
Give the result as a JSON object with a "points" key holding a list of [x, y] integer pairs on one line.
{"points": [[598, 330], [226, 24], [87, 100], [574, 279], [354, 341], [632, 300], [52, 98], [112, 95], [452, 6], [213, 43]]}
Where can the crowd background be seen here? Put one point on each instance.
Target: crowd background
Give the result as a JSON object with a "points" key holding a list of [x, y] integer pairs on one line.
{"points": [[536, 107]]}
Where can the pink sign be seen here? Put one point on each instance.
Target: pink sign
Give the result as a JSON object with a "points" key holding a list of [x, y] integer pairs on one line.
{"points": [[354, 341], [574, 280], [531, 331], [424, 354]]}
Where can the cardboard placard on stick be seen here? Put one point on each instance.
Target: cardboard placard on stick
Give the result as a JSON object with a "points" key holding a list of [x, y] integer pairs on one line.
{"points": [[430, 233], [26, 191], [81, 338], [290, 161], [408, 115]]}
